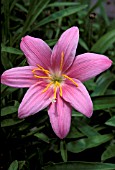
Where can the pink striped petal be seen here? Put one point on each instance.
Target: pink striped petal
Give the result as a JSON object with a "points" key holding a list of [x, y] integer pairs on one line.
{"points": [[34, 100], [36, 51], [89, 65], [19, 77], [67, 45], [60, 117], [78, 97]]}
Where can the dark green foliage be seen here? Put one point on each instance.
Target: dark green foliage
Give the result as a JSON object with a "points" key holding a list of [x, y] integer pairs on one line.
{"points": [[30, 144]]}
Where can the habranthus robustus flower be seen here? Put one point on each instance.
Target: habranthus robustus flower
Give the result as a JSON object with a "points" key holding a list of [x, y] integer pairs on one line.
{"points": [[54, 78]]}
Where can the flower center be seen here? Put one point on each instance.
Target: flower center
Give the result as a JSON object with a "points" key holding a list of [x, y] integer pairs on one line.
{"points": [[54, 81], [58, 79]]}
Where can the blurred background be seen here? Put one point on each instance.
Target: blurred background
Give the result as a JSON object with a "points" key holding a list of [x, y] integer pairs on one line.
{"points": [[30, 144]]}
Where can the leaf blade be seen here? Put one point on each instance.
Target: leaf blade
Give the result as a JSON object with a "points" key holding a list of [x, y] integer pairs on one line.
{"points": [[104, 42], [81, 166], [108, 153], [13, 165], [86, 143], [60, 14]]}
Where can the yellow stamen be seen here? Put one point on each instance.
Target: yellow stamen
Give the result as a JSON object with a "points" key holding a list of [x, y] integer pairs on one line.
{"points": [[47, 87], [55, 91], [69, 78], [42, 77], [35, 70], [44, 70], [53, 82], [57, 84], [62, 60], [41, 69], [60, 88]]}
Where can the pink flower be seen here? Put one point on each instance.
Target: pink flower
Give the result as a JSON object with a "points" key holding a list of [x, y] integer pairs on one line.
{"points": [[54, 78]]}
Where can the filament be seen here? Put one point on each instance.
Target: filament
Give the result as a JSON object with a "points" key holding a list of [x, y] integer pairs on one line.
{"points": [[69, 78], [47, 87]]}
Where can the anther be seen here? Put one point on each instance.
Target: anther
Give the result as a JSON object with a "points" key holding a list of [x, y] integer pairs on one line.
{"points": [[62, 60]]}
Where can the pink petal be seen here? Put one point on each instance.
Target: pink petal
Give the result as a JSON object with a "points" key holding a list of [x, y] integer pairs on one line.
{"points": [[89, 65], [34, 100], [78, 97], [19, 77], [36, 51], [66, 44], [60, 117]]}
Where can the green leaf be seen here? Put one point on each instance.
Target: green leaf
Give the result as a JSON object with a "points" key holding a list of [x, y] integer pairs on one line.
{"points": [[85, 143], [90, 84], [58, 4], [21, 7], [33, 131], [10, 122], [7, 90], [8, 110], [21, 164], [12, 4], [108, 153], [60, 14], [36, 7], [104, 14], [11, 50], [110, 92], [76, 114], [103, 44], [111, 26], [13, 165], [63, 150], [74, 133], [103, 83], [42, 136], [23, 63], [80, 166], [103, 102], [51, 42], [83, 44], [24, 126], [6, 62], [85, 128], [111, 121]]}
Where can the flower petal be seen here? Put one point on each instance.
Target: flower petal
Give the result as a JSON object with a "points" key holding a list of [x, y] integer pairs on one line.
{"points": [[88, 65], [34, 100], [78, 97], [36, 51], [19, 77], [60, 117], [67, 45]]}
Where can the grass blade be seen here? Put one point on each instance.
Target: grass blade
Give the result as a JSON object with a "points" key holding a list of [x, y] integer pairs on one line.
{"points": [[60, 14]]}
